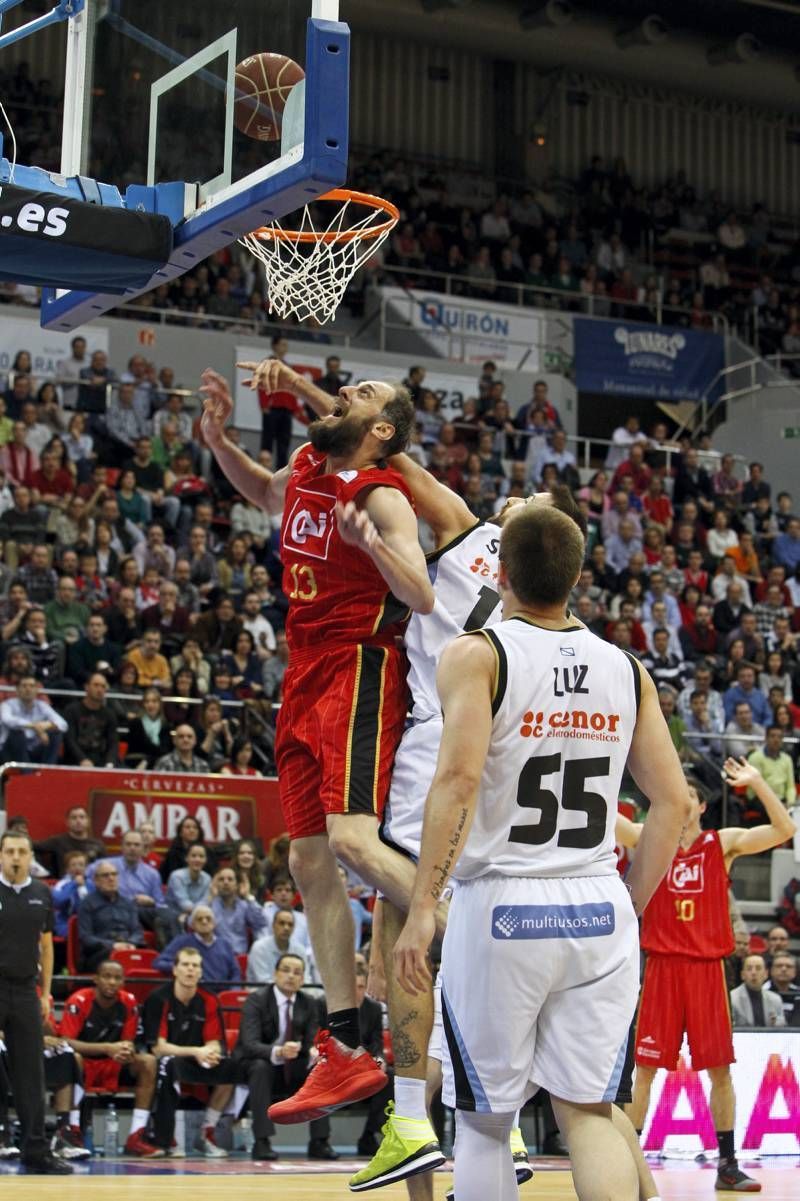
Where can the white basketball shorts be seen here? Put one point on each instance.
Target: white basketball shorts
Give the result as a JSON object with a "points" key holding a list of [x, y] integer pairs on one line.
{"points": [[539, 986], [412, 775], [436, 1040]]}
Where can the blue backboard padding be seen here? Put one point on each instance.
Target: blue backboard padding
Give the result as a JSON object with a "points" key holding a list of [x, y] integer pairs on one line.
{"points": [[323, 166], [27, 262]]}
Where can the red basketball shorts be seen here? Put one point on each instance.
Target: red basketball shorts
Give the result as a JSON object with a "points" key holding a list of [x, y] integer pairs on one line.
{"points": [[684, 995], [343, 714], [101, 1075]]}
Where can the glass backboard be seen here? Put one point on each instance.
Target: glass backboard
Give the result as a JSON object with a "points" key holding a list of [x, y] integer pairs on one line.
{"points": [[152, 97]]}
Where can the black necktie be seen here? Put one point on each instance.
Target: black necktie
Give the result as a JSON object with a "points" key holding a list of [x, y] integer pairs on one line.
{"points": [[287, 1037]]}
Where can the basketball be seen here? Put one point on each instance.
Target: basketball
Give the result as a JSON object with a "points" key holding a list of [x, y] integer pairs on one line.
{"points": [[263, 83]]}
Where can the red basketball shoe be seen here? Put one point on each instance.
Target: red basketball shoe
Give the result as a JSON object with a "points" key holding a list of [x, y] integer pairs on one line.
{"points": [[339, 1077]]}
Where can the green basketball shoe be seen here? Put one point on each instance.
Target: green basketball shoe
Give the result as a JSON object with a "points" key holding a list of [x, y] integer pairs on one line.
{"points": [[408, 1147]]}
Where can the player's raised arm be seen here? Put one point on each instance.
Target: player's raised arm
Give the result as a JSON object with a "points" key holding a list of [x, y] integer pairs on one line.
{"points": [[272, 375], [738, 841], [261, 487], [656, 768], [386, 530], [466, 681], [443, 509]]}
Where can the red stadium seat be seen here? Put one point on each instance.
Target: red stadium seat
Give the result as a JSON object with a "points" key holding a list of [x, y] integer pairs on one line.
{"points": [[757, 945], [231, 1038], [138, 962], [139, 965], [232, 1000]]}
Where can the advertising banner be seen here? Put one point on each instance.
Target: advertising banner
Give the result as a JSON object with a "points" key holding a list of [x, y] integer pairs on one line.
{"points": [[766, 1080], [226, 807], [653, 361], [48, 347], [471, 330], [451, 386]]}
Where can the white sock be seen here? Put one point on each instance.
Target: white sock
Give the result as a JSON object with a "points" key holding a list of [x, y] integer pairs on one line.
{"points": [[409, 1098], [517, 1119], [212, 1117], [140, 1119], [483, 1164], [74, 1117]]}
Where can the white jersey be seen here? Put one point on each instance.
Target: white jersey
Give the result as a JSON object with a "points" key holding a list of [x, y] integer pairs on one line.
{"points": [[464, 576], [564, 715]]}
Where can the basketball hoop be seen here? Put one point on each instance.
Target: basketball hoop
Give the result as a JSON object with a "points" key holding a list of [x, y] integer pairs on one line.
{"points": [[308, 269]]}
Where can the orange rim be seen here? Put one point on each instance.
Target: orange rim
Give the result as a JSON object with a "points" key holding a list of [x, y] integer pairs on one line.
{"points": [[270, 232]]}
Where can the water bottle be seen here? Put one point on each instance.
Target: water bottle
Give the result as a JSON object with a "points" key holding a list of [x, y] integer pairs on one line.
{"points": [[111, 1134], [246, 1135]]}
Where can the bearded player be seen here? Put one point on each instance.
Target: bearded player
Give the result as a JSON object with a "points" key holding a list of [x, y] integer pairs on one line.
{"points": [[686, 932], [353, 569]]}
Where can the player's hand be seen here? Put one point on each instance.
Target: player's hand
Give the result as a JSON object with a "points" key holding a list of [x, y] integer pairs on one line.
{"points": [[740, 773], [356, 528], [411, 953], [270, 375], [217, 407]]}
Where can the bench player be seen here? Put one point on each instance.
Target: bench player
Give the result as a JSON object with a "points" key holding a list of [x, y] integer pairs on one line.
{"points": [[353, 569], [539, 719], [100, 1024], [687, 933]]}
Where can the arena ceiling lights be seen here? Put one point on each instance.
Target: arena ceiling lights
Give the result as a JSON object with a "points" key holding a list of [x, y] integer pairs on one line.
{"points": [[652, 31], [553, 14], [744, 49]]}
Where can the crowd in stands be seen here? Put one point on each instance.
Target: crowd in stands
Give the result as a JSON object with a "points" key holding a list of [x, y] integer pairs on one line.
{"points": [[614, 246], [152, 593]]}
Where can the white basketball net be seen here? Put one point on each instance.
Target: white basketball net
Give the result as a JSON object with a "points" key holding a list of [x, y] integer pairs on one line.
{"points": [[307, 277]]}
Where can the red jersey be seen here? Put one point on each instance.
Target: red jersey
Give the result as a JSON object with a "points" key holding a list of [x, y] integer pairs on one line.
{"points": [[689, 915], [89, 1022], [282, 400], [336, 593]]}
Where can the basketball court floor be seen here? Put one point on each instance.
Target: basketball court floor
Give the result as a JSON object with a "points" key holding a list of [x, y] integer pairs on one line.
{"points": [[298, 1180]]}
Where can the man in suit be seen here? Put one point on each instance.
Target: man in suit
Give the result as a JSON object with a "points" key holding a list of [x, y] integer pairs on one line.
{"points": [[750, 1005], [275, 1051]]}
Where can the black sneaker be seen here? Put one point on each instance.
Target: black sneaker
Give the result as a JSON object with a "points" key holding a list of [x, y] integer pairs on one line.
{"points": [[48, 1165], [320, 1148], [8, 1147], [731, 1179], [262, 1150]]}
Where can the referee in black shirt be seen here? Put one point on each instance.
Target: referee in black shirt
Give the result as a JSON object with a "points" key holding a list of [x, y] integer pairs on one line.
{"points": [[26, 939]]}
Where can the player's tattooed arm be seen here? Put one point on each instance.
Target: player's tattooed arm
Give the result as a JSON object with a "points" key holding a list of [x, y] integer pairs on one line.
{"points": [[465, 681], [441, 873]]}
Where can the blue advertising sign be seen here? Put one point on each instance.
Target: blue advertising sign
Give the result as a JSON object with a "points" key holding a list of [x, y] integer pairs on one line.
{"points": [[645, 360]]}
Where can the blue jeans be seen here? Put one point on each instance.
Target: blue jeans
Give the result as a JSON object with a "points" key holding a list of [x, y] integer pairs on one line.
{"points": [[20, 748]]}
